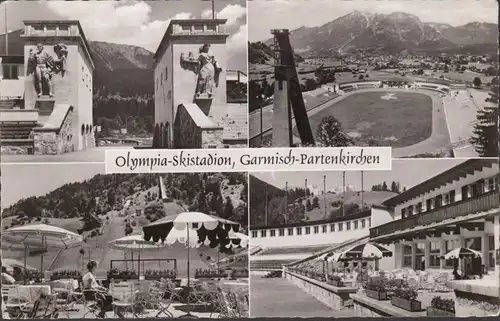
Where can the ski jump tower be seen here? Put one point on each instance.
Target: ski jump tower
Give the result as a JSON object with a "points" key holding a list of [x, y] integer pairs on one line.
{"points": [[288, 95]]}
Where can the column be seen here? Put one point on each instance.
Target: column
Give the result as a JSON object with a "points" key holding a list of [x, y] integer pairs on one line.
{"points": [[461, 240], [485, 247], [414, 255], [442, 252], [398, 255], [427, 254]]}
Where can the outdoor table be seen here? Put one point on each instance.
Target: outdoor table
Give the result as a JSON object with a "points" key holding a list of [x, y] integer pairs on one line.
{"points": [[63, 285], [32, 292]]}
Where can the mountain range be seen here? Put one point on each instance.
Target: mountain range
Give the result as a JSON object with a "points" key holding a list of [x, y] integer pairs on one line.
{"points": [[392, 34]]}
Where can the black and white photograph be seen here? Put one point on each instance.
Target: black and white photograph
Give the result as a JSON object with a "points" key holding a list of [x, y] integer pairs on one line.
{"points": [[398, 243], [78, 78], [82, 244], [421, 77]]}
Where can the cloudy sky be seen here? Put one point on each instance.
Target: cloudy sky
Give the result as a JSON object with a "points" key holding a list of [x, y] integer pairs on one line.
{"points": [[140, 23], [264, 15], [408, 173], [25, 180]]}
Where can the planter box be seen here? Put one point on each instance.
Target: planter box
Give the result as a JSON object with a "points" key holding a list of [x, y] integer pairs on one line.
{"points": [[335, 283], [411, 306], [433, 312], [380, 296]]}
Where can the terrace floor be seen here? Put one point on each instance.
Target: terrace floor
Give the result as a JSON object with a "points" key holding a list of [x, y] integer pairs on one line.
{"points": [[279, 298]]}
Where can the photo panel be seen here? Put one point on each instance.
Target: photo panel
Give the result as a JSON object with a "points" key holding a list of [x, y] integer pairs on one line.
{"points": [[84, 244], [82, 78], [418, 78], [422, 239]]}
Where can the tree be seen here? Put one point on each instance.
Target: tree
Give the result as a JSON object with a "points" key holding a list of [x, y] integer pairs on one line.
{"points": [[329, 133], [228, 209], [308, 205], [404, 189], [315, 203], [477, 82], [485, 131], [311, 84], [361, 77], [384, 186], [393, 187]]}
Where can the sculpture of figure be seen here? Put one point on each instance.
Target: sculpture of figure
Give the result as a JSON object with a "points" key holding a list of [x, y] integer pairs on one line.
{"points": [[207, 69], [43, 66]]}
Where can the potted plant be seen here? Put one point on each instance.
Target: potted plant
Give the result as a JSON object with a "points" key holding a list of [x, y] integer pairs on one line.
{"points": [[376, 290], [441, 307], [405, 298], [336, 281]]}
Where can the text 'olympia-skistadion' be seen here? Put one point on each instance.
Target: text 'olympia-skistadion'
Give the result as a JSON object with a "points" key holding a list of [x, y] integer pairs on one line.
{"points": [[459, 207]]}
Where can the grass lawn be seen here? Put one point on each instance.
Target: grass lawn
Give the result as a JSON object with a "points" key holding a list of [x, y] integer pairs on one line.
{"points": [[399, 122]]}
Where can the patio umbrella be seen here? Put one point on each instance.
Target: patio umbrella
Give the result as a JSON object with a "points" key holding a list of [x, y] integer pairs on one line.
{"points": [[211, 230], [460, 253], [365, 251], [39, 236]]}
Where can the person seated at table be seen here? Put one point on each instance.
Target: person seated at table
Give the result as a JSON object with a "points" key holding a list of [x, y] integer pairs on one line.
{"points": [[93, 291], [7, 279], [456, 275]]}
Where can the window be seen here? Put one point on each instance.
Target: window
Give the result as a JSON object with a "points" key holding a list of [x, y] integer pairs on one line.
{"points": [[474, 243], [10, 71], [263, 233], [290, 231], [428, 205], [403, 213], [478, 188], [435, 253], [410, 210], [356, 224], [281, 232], [198, 27], [465, 192], [316, 229], [308, 230], [491, 184], [419, 256], [211, 27], [491, 251], [363, 224], [439, 201], [369, 222], [299, 230], [406, 255], [332, 227], [419, 208], [254, 233], [348, 226], [452, 197], [323, 229], [166, 72], [341, 227], [273, 233], [186, 28]]}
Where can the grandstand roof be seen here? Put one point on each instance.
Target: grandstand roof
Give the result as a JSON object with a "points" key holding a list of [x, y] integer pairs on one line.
{"points": [[319, 222]]}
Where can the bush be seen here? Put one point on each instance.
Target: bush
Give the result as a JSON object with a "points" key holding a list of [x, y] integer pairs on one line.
{"points": [[406, 293], [443, 304], [378, 286]]}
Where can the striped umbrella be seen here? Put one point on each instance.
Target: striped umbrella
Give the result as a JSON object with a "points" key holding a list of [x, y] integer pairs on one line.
{"points": [[366, 251], [460, 253], [211, 230]]}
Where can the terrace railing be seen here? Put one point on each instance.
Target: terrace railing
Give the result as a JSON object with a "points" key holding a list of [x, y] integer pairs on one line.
{"points": [[477, 204]]}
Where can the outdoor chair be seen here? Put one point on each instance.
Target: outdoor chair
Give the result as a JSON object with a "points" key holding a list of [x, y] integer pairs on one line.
{"points": [[63, 298], [88, 298], [124, 298], [160, 298], [16, 304]]}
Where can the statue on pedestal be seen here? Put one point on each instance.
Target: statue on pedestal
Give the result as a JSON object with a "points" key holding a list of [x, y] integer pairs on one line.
{"points": [[207, 69], [43, 66]]}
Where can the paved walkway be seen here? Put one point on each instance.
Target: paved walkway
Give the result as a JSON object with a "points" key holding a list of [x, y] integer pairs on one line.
{"points": [[279, 298]]}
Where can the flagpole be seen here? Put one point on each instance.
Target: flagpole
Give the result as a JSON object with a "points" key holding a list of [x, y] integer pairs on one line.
{"points": [[343, 202], [213, 9], [6, 33]]}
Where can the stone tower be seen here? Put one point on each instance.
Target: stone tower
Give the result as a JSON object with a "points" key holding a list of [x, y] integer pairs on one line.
{"points": [[188, 105], [64, 106]]}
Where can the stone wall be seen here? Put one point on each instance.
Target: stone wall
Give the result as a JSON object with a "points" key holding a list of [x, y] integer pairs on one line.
{"points": [[212, 138], [54, 141], [187, 134]]}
